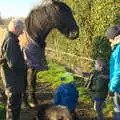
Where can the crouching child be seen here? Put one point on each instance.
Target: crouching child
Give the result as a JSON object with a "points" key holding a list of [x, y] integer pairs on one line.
{"points": [[66, 94]]}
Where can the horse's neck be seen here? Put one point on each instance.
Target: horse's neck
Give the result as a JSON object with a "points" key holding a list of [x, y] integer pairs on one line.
{"points": [[25, 39]]}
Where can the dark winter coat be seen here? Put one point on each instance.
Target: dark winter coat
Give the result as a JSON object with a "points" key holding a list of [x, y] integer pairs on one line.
{"points": [[12, 72]]}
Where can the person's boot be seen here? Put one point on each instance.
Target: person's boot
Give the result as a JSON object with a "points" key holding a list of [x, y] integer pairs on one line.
{"points": [[116, 115], [26, 102], [33, 100], [3, 97]]}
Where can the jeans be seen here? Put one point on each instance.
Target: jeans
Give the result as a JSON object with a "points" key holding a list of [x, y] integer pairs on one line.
{"points": [[116, 99], [98, 106]]}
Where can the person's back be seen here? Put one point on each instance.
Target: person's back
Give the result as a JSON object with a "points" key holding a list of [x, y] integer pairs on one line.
{"points": [[12, 69], [66, 95]]}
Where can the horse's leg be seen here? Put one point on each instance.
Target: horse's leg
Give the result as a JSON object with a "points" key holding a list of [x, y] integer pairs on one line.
{"points": [[31, 79], [34, 87], [25, 98]]}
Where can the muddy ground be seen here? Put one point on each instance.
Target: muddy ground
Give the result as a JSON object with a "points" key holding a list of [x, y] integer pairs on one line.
{"points": [[45, 95]]}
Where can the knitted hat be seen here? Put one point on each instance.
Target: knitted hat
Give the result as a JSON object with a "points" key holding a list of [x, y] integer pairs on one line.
{"points": [[113, 31], [66, 77]]}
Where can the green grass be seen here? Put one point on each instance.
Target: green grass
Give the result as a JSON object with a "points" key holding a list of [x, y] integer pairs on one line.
{"points": [[84, 96], [2, 112], [52, 75], [108, 108]]}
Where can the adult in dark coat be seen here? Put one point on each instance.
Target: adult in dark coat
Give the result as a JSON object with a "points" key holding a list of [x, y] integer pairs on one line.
{"points": [[13, 69]]}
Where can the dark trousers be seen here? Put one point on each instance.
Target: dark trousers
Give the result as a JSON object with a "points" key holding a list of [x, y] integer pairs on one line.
{"points": [[98, 107], [30, 88], [13, 105], [116, 99]]}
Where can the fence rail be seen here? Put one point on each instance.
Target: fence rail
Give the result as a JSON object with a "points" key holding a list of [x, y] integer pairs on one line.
{"points": [[83, 81]]}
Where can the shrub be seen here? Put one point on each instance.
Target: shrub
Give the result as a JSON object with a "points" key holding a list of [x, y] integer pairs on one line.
{"points": [[52, 75], [2, 111], [93, 18]]}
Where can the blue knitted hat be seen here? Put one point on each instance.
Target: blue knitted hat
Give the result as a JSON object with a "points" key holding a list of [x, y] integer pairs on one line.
{"points": [[66, 77]]}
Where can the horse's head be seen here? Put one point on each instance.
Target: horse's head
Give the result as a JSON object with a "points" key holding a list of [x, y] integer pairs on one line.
{"points": [[48, 15], [66, 23]]}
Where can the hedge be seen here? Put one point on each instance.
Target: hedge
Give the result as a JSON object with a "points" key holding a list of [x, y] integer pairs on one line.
{"points": [[93, 18]]}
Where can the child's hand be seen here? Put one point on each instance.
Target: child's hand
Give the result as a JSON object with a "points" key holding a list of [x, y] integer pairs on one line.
{"points": [[77, 70]]}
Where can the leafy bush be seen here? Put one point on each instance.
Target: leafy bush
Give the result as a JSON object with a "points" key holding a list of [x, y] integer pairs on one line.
{"points": [[93, 18], [83, 94], [2, 112], [52, 75], [108, 108]]}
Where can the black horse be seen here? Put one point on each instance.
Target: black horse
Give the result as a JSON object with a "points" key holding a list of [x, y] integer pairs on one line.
{"points": [[41, 20]]}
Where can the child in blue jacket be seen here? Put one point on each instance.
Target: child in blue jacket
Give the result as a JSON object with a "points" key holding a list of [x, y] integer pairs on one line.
{"points": [[66, 94]]}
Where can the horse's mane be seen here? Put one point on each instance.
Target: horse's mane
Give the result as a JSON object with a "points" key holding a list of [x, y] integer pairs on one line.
{"points": [[39, 18], [44, 16], [42, 19]]}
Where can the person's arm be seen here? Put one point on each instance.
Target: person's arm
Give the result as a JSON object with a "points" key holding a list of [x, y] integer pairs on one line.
{"points": [[116, 75], [77, 70], [11, 53], [86, 74]]}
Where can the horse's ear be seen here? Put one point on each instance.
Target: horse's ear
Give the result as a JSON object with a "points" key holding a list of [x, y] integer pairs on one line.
{"points": [[57, 0], [48, 1]]}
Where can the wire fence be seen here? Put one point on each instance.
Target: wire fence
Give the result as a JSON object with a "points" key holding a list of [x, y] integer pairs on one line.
{"points": [[69, 59], [69, 54], [53, 54]]}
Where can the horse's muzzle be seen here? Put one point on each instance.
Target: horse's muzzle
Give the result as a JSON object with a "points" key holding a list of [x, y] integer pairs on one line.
{"points": [[74, 34]]}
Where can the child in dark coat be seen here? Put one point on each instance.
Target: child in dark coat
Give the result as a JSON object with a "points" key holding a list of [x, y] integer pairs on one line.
{"points": [[98, 85]]}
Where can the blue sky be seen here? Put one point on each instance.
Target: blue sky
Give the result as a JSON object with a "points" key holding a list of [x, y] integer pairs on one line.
{"points": [[16, 8]]}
